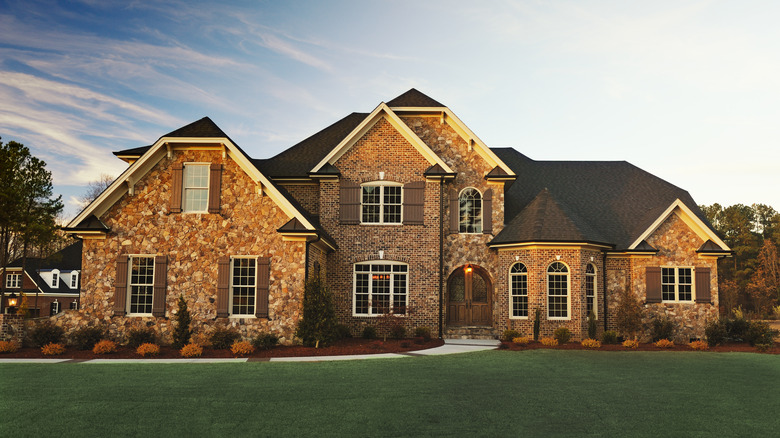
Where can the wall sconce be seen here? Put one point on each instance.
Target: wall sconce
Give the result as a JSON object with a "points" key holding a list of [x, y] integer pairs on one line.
{"points": [[557, 257], [591, 258], [381, 175], [13, 300], [381, 254], [468, 269], [517, 258]]}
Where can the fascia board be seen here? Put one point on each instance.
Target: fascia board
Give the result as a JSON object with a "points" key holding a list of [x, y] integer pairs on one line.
{"points": [[699, 227], [482, 149]]}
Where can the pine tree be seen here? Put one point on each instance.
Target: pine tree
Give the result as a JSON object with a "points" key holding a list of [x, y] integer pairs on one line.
{"points": [[318, 326], [182, 332]]}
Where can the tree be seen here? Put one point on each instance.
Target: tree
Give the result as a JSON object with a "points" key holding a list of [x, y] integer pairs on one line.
{"points": [[764, 286], [182, 332], [628, 316], [95, 188], [318, 326]]}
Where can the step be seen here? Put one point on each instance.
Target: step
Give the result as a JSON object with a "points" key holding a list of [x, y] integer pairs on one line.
{"points": [[468, 332]]}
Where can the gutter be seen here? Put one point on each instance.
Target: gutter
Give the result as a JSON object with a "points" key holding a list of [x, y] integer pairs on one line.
{"points": [[604, 287], [441, 257]]}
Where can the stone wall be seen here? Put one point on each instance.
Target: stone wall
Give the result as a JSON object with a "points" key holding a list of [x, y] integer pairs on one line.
{"points": [[12, 328]]}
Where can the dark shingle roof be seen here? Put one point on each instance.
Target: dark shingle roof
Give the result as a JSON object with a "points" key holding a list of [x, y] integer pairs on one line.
{"points": [[616, 198], [66, 259], [413, 98], [203, 128]]}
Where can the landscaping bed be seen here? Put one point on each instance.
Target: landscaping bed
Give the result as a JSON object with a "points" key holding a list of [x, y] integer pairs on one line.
{"points": [[742, 347]]}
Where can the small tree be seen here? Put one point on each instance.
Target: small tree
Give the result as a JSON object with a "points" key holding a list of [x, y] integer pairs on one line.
{"points": [[628, 317], [592, 327], [182, 332], [537, 324], [318, 326]]}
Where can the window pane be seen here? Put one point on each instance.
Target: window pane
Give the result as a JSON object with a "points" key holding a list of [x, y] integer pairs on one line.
{"points": [[685, 284], [668, 284], [557, 291], [243, 286], [519, 290], [141, 284], [470, 213], [458, 288]]}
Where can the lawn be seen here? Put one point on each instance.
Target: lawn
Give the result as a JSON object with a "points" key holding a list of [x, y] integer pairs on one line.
{"points": [[492, 393]]}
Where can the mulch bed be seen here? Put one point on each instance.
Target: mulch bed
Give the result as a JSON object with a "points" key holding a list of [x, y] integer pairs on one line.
{"points": [[342, 347], [742, 347]]}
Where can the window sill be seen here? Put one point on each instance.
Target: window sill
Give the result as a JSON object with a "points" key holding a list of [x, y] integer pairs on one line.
{"points": [[392, 224], [558, 318], [138, 315], [679, 302], [242, 317], [519, 318]]}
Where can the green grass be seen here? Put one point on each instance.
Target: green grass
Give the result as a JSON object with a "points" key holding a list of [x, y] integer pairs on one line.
{"points": [[494, 393]]}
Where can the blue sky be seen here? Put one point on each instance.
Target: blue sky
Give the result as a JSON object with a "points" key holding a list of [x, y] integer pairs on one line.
{"points": [[688, 91]]}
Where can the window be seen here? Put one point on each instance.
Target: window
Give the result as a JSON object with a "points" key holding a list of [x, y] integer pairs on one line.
{"points": [[558, 291], [140, 284], [381, 203], [518, 284], [590, 290], [74, 305], [74, 279], [470, 212], [54, 308], [243, 279], [677, 284], [380, 287], [55, 278], [196, 187], [13, 281]]}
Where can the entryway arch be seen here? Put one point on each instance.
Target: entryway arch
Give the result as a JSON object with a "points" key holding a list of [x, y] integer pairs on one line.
{"points": [[469, 297]]}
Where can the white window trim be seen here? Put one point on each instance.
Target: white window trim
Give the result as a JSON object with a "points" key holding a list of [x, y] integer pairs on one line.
{"points": [[677, 285], [55, 278], [511, 297], [481, 210], [18, 282], [595, 277], [382, 184], [129, 291], [59, 307], [184, 187], [568, 292], [230, 285], [370, 294], [74, 279]]}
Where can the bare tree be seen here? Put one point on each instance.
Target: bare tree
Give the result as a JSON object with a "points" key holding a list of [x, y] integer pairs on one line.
{"points": [[95, 188]]}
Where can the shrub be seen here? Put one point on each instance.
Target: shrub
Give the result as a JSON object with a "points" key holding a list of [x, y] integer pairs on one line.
{"points": [[592, 325], [423, 332], [265, 341], [369, 332], [715, 332], [242, 348], [8, 347], [181, 331], [763, 348], [137, 337], [776, 311], [317, 327], [46, 333], [191, 350], [148, 349], [398, 332], [562, 335], [104, 347], [664, 343], [699, 345], [630, 343], [759, 333], [662, 328], [223, 337], [737, 328], [342, 331], [591, 343], [537, 324], [510, 334], [53, 349], [522, 340], [85, 338], [550, 342], [609, 337], [628, 315]]}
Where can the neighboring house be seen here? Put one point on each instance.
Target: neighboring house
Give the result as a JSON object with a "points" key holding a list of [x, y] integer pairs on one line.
{"points": [[402, 210], [51, 284]]}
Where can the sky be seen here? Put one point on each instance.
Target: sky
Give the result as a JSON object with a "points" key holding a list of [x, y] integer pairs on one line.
{"points": [[686, 90]]}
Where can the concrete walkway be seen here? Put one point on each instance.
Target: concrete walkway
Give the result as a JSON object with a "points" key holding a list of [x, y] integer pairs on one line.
{"points": [[451, 346]]}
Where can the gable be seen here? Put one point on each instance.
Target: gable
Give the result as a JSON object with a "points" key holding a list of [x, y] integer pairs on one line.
{"points": [[678, 210]]}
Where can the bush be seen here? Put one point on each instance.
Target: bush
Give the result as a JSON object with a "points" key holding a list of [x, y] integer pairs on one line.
{"points": [[763, 348], [550, 342], [242, 348], [318, 325], [86, 338], [630, 344], [715, 332], [265, 341], [662, 328], [369, 332], [628, 315], [53, 349], [8, 347], [592, 325], [664, 343], [136, 337], [223, 337], [737, 328], [342, 331], [510, 334], [423, 332], [398, 332], [104, 347], [591, 343], [609, 337], [562, 335], [522, 340], [537, 324], [46, 333], [148, 349], [759, 333], [191, 350], [181, 331], [699, 345]]}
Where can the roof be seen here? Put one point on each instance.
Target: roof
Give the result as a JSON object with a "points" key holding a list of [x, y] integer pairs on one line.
{"points": [[67, 259], [202, 128], [414, 99], [616, 198]]}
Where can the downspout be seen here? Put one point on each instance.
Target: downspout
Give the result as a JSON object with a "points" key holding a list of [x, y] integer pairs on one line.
{"points": [[604, 287], [441, 257]]}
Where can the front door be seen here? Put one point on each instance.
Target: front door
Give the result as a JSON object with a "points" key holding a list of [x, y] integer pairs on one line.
{"points": [[469, 295]]}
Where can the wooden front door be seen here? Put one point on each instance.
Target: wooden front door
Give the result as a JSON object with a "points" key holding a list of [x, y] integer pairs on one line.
{"points": [[469, 297]]}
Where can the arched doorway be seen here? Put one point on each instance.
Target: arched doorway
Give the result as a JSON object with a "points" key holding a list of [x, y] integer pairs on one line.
{"points": [[469, 297]]}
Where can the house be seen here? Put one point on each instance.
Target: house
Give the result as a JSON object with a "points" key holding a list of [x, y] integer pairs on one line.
{"points": [[51, 284], [403, 210]]}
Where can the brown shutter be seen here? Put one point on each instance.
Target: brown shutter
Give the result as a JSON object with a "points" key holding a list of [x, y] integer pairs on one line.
{"points": [[263, 280], [487, 212], [223, 287], [653, 281], [176, 190], [160, 282], [120, 286], [703, 285], [414, 202], [454, 212], [215, 184], [349, 203]]}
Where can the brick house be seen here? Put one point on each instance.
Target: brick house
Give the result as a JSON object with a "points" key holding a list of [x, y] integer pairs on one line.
{"points": [[402, 210]]}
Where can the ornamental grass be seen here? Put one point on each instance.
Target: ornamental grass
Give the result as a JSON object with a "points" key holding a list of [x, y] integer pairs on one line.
{"points": [[242, 348], [191, 350], [591, 343], [549, 342], [8, 347], [104, 347], [148, 349], [52, 349], [663, 343], [521, 340], [699, 345], [631, 343]]}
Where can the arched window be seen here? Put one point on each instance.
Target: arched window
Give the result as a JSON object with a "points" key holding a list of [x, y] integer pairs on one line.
{"points": [[470, 201], [518, 290], [557, 291], [590, 290]]}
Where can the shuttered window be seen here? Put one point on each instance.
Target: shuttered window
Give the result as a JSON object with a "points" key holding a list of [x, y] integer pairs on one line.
{"points": [[140, 285], [470, 211], [196, 188], [243, 286], [677, 284], [381, 203]]}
